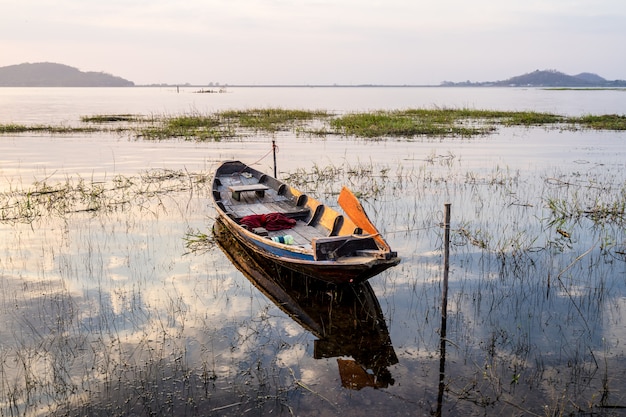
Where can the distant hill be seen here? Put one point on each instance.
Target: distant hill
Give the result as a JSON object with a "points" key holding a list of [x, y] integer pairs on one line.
{"points": [[47, 74], [547, 78], [589, 77]]}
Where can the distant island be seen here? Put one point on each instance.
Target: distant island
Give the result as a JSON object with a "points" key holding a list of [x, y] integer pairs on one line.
{"points": [[47, 74], [545, 78]]}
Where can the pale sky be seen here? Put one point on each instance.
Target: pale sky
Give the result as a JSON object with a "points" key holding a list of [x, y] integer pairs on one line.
{"points": [[317, 41]]}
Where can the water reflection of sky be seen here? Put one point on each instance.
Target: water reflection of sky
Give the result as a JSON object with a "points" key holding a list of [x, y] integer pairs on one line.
{"points": [[109, 295]]}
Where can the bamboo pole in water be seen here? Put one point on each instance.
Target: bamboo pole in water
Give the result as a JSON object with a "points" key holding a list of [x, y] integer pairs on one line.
{"points": [[274, 152], [444, 309]]}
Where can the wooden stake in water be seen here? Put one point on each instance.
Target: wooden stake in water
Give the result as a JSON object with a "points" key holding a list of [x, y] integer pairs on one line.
{"points": [[274, 152], [444, 308], [446, 260]]}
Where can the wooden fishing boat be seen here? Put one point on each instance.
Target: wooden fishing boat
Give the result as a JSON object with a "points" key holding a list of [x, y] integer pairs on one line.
{"points": [[292, 229], [346, 320]]}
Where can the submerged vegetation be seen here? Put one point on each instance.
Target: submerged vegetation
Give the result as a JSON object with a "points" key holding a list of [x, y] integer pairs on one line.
{"points": [[436, 122], [112, 118], [605, 122], [8, 129], [408, 123], [76, 195], [191, 127], [270, 120], [133, 313]]}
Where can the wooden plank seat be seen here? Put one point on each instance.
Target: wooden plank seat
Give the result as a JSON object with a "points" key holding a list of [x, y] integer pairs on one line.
{"points": [[236, 190]]}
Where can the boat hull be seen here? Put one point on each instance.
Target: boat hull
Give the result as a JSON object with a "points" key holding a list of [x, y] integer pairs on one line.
{"points": [[337, 272]]}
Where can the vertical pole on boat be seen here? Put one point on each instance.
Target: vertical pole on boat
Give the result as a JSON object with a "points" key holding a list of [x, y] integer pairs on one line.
{"points": [[444, 309], [274, 152]]}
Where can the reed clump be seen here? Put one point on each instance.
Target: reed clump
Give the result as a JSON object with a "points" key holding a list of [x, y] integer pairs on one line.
{"points": [[189, 127], [271, 119], [113, 118], [436, 122], [601, 122], [77, 195], [404, 124], [12, 128], [569, 202], [507, 118]]}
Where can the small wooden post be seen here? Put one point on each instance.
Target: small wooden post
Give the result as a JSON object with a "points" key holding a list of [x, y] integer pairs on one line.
{"points": [[274, 152], [444, 309], [446, 260]]}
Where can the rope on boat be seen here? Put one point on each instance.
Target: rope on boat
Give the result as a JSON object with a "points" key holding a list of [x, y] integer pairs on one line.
{"points": [[273, 149]]}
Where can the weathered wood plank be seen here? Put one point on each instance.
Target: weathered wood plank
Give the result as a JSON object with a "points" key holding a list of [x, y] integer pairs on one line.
{"points": [[236, 190]]}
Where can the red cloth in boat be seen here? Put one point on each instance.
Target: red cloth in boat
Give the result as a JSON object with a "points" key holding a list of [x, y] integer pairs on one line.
{"points": [[270, 221]]}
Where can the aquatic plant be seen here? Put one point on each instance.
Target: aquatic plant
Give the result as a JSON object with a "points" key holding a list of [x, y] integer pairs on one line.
{"points": [[113, 118], [271, 119], [601, 122], [19, 128], [377, 124], [77, 195], [404, 124]]}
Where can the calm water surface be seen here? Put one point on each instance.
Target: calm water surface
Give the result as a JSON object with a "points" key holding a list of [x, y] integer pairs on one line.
{"points": [[109, 313], [66, 105]]}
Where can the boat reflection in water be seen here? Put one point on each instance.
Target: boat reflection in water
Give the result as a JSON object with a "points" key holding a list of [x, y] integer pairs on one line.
{"points": [[347, 320]]}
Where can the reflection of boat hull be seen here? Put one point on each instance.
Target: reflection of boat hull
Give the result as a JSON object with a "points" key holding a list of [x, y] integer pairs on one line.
{"points": [[347, 320], [324, 243]]}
